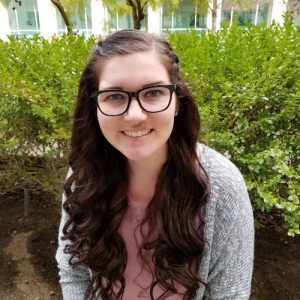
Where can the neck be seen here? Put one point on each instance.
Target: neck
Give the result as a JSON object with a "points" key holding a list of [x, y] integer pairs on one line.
{"points": [[142, 179]]}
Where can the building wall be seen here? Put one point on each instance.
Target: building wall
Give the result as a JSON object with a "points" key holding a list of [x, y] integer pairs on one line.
{"points": [[47, 18], [4, 21], [40, 16]]}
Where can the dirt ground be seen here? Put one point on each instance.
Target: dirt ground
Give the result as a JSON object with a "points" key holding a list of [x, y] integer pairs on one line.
{"points": [[28, 244]]}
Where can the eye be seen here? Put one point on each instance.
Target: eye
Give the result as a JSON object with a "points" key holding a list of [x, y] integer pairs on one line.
{"points": [[113, 96], [153, 93]]}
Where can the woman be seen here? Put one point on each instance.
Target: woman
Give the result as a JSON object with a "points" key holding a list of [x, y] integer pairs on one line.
{"points": [[147, 211]]}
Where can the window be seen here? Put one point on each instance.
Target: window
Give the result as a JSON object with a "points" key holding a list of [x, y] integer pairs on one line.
{"points": [[263, 13], [225, 16], [185, 17], [23, 19], [245, 17], [257, 14], [81, 22], [117, 22]]}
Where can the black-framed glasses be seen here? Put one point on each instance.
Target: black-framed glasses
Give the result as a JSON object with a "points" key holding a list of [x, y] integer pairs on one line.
{"points": [[152, 99]]}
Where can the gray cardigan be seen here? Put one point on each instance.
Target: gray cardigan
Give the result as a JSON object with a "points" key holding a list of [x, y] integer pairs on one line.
{"points": [[229, 230]]}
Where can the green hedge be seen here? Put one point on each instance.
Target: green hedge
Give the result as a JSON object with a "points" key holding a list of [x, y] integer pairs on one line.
{"points": [[38, 87], [246, 81]]}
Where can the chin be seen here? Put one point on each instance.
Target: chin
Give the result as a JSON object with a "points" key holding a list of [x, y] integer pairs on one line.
{"points": [[136, 156], [147, 153]]}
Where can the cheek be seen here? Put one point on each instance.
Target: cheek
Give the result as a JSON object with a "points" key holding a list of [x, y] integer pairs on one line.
{"points": [[167, 121], [100, 120], [105, 125]]}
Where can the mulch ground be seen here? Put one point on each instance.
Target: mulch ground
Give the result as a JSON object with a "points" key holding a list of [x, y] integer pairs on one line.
{"points": [[28, 244]]}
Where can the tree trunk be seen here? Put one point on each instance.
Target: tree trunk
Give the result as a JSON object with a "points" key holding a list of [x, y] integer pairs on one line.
{"points": [[136, 20], [214, 20], [62, 11], [293, 8], [137, 12], [214, 15]]}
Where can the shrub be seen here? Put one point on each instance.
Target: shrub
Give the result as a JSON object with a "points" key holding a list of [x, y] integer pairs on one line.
{"points": [[38, 87], [246, 81]]}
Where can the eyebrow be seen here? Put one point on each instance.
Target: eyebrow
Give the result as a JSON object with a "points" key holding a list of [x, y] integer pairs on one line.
{"points": [[144, 86]]}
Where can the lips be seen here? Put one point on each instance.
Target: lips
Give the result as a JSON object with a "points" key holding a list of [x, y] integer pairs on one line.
{"points": [[137, 133]]}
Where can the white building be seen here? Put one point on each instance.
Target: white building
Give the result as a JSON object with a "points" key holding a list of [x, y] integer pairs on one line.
{"points": [[27, 17]]}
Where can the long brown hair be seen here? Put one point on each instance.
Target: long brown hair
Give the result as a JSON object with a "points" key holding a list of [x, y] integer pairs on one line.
{"points": [[97, 189]]}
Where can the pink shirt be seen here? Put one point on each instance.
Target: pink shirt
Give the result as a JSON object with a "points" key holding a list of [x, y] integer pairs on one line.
{"points": [[138, 280]]}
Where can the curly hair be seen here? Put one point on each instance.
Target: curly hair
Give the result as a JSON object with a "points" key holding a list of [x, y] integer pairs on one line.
{"points": [[96, 191]]}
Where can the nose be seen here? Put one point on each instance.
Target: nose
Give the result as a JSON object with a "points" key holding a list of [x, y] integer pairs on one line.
{"points": [[135, 112]]}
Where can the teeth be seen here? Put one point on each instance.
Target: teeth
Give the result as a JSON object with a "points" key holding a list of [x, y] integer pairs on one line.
{"points": [[137, 133]]}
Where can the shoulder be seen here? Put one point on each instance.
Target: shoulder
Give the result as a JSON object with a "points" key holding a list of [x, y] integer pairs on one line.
{"points": [[225, 178], [229, 204], [222, 172]]}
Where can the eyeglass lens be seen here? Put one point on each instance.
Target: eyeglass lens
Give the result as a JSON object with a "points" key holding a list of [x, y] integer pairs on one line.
{"points": [[152, 99]]}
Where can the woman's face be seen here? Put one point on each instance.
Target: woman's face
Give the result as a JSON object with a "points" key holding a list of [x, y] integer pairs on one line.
{"points": [[137, 134]]}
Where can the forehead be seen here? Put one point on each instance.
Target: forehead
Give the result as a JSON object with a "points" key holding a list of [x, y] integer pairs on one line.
{"points": [[134, 70]]}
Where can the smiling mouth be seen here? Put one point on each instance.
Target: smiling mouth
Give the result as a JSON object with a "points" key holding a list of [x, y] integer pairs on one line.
{"points": [[137, 133]]}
